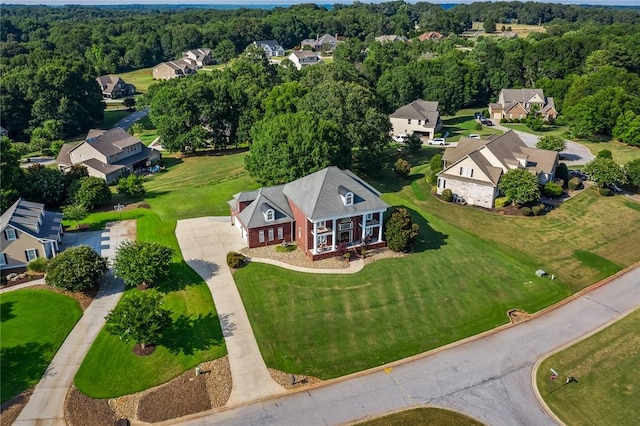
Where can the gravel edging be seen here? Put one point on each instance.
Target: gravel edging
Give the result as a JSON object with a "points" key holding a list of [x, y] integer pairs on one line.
{"points": [[297, 257], [286, 380]]}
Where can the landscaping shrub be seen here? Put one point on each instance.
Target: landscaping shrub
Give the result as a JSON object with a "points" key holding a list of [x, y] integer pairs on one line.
{"points": [[575, 183], [402, 167], [447, 195], [552, 190], [235, 260], [142, 262], [605, 192], [90, 192], [526, 211], [38, 265], [286, 247], [501, 202], [132, 185], [435, 164], [400, 231], [76, 269], [414, 143], [605, 153], [538, 210], [478, 126], [562, 172]]}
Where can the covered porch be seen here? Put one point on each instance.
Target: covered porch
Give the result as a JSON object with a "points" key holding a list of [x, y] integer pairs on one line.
{"points": [[331, 235]]}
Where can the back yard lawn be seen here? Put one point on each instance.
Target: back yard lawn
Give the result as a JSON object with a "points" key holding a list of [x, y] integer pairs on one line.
{"points": [[34, 325], [464, 124]]}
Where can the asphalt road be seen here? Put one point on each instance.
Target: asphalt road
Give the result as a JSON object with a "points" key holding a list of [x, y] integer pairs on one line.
{"points": [[488, 377], [128, 121]]}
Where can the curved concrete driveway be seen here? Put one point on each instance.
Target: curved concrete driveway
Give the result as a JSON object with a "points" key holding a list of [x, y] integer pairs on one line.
{"points": [[204, 243], [488, 376]]}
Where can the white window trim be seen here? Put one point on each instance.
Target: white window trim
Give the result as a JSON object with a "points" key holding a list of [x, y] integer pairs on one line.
{"points": [[3, 259], [280, 233], [322, 224], [31, 251], [6, 234], [261, 236], [322, 239], [271, 234], [369, 216], [347, 199], [270, 215]]}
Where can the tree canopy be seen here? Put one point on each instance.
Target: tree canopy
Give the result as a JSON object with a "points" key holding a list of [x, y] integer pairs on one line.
{"points": [[605, 171], [552, 143], [520, 186], [76, 269], [142, 262]]}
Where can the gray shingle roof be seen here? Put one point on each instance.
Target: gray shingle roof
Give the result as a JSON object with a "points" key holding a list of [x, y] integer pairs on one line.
{"points": [[253, 216], [419, 110], [111, 141], [318, 194], [98, 165], [24, 215], [63, 156], [520, 95]]}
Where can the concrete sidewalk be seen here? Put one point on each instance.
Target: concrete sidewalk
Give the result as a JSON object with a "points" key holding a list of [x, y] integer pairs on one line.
{"points": [[204, 243], [46, 405]]}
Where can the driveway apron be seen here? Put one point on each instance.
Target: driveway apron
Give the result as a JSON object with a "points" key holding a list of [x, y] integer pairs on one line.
{"points": [[204, 243], [46, 405]]}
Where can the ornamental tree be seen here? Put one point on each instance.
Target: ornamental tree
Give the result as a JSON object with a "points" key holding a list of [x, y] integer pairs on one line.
{"points": [[75, 212], [90, 192], [139, 317], [76, 269], [142, 262], [400, 231], [132, 185], [520, 186], [552, 143], [605, 171], [632, 168]]}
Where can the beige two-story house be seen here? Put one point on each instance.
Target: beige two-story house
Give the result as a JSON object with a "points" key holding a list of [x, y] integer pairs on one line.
{"points": [[304, 58], [421, 117], [28, 232], [173, 69], [108, 154], [113, 87], [517, 103]]}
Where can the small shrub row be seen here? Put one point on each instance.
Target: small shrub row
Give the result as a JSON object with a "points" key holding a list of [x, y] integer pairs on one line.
{"points": [[537, 210], [235, 260], [513, 120], [286, 247], [447, 195]]}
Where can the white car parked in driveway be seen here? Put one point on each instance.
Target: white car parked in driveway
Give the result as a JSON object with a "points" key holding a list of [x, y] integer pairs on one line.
{"points": [[400, 138], [437, 141]]}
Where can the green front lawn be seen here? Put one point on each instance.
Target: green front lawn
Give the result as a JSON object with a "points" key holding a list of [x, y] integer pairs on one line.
{"points": [[111, 117], [464, 124], [142, 78], [605, 366], [423, 416], [34, 325], [469, 268], [190, 187]]}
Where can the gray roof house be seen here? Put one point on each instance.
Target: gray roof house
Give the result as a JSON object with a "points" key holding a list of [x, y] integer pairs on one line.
{"points": [[422, 117], [114, 87], [108, 154], [326, 42], [198, 57], [472, 169], [173, 69], [324, 212], [517, 103], [270, 47], [390, 38], [303, 58], [28, 232]]}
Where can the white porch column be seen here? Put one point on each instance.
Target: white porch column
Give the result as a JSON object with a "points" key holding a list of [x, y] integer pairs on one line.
{"points": [[380, 227], [364, 228], [315, 237], [333, 236]]}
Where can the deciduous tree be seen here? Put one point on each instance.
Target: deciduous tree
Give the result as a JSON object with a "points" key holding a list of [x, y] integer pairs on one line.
{"points": [[552, 143], [75, 212], [400, 231], [90, 192], [142, 262], [139, 317], [632, 168], [520, 186], [76, 269], [605, 171]]}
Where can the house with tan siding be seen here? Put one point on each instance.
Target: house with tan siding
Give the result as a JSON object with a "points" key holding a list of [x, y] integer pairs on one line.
{"points": [[173, 69], [304, 58], [473, 168], [28, 232], [517, 103], [324, 212], [421, 117], [108, 154]]}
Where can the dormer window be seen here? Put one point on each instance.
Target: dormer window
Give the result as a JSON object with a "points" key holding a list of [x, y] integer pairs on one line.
{"points": [[269, 215], [345, 195]]}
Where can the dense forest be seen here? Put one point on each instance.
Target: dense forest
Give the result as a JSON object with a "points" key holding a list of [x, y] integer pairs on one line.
{"points": [[588, 60]]}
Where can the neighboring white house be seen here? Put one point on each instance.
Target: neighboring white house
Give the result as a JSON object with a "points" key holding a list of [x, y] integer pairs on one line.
{"points": [[390, 38], [473, 168], [108, 154], [270, 47], [304, 58], [422, 117], [198, 57]]}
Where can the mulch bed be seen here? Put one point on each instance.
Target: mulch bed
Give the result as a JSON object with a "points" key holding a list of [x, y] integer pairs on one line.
{"points": [[517, 316], [11, 408], [185, 395], [140, 351], [28, 276], [80, 410]]}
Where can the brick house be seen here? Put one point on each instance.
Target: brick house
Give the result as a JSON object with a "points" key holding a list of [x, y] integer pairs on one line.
{"points": [[28, 232], [517, 103], [472, 169], [323, 212]]}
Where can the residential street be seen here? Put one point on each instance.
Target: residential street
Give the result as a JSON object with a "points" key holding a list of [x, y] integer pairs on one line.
{"points": [[128, 121], [488, 377]]}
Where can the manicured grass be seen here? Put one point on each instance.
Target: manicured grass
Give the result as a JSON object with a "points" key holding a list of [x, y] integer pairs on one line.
{"points": [[522, 30], [464, 124], [150, 133], [547, 129], [112, 116], [34, 325], [423, 416], [110, 368], [605, 366], [469, 268], [142, 78]]}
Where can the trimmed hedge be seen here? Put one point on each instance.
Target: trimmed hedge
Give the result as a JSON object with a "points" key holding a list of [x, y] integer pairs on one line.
{"points": [[526, 211], [552, 190], [501, 202], [538, 210], [605, 192], [285, 248], [447, 195], [235, 260]]}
